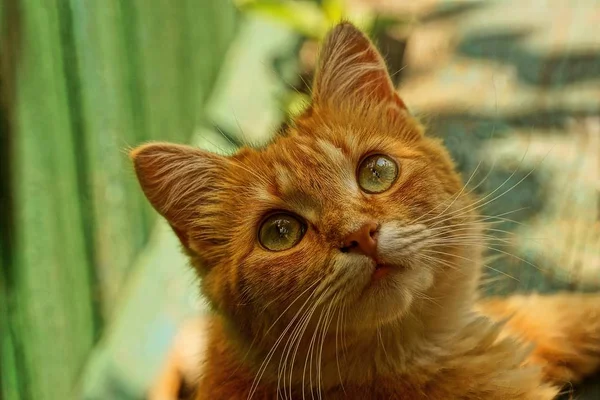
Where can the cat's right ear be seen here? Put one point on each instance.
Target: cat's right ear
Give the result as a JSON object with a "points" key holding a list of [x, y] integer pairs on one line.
{"points": [[351, 72], [178, 180]]}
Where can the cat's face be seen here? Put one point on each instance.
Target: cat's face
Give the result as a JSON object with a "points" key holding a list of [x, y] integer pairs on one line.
{"points": [[347, 209]]}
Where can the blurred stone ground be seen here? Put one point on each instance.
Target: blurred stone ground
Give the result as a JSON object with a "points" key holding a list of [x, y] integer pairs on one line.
{"points": [[515, 84], [513, 88]]}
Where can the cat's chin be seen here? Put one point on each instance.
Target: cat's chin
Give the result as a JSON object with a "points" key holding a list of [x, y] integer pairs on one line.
{"points": [[388, 295]]}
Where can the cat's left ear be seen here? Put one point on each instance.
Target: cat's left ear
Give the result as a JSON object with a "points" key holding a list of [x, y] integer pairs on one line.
{"points": [[181, 182], [351, 72]]}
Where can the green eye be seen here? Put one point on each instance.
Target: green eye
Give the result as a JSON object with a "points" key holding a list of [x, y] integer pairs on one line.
{"points": [[280, 232], [376, 173]]}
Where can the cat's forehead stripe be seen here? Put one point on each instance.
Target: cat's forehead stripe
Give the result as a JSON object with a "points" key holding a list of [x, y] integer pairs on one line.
{"points": [[283, 178], [262, 194], [329, 150]]}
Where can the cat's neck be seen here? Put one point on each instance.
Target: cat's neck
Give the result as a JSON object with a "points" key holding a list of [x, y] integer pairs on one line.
{"points": [[423, 335]]}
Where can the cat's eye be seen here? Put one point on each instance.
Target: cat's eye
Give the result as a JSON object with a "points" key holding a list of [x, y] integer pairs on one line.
{"points": [[280, 232], [376, 173]]}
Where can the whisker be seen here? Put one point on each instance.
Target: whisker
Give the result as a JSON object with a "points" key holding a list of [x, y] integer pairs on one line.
{"points": [[297, 338], [469, 240], [471, 207], [269, 355], [466, 184], [440, 261], [481, 221], [517, 257], [298, 341], [455, 197], [423, 296], [469, 231], [337, 359], [383, 346], [476, 204], [343, 337], [311, 349], [468, 259], [323, 335]]}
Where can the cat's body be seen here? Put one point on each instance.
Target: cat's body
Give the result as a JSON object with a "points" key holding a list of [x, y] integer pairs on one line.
{"points": [[343, 260], [467, 364], [542, 346]]}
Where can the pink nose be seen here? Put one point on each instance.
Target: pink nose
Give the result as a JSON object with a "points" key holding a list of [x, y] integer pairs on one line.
{"points": [[362, 241]]}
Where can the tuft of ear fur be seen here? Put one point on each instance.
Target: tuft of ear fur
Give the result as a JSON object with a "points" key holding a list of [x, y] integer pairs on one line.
{"points": [[351, 71], [177, 180]]}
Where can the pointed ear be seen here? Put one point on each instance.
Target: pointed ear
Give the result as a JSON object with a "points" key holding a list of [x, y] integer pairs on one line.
{"points": [[350, 70], [177, 180]]}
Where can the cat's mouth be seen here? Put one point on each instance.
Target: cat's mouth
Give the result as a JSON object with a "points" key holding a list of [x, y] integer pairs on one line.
{"points": [[381, 271]]}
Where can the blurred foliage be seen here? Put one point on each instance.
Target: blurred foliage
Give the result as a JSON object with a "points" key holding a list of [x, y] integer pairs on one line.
{"points": [[308, 18], [312, 20]]}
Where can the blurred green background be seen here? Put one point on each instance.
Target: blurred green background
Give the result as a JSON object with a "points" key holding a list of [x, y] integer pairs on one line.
{"points": [[93, 286]]}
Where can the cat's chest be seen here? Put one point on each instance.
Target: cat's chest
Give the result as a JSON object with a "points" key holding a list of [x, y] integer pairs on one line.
{"points": [[488, 371], [386, 389], [461, 383]]}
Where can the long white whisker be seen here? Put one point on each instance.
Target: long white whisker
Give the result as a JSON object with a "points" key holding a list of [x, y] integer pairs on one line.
{"points": [[455, 198], [468, 259], [476, 205], [337, 359], [320, 357], [267, 359], [304, 325]]}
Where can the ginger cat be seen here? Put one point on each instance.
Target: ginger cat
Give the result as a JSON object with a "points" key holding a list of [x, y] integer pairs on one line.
{"points": [[342, 261]]}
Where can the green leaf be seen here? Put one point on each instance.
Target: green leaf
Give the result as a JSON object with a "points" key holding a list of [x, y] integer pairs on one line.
{"points": [[334, 10], [304, 17]]}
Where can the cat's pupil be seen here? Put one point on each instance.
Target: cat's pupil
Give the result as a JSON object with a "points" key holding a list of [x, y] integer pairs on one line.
{"points": [[282, 229], [376, 173]]}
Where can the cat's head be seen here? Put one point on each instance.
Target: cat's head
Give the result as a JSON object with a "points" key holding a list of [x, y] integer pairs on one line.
{"points": [[352, 206]]}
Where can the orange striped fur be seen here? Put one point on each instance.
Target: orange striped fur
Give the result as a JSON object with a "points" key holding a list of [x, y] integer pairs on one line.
{"points": [[312, 321]]}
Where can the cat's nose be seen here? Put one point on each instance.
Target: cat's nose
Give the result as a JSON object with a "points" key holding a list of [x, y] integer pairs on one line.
{"points": [[363, 240]]}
